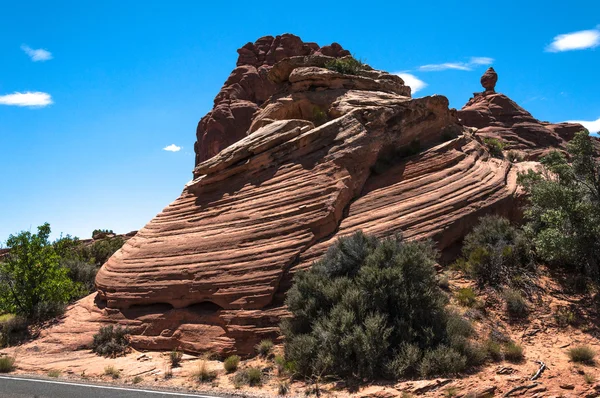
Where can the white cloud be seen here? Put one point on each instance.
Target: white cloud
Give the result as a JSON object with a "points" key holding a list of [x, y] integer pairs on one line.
{"points": [[412, 81], [172, 148], [36, 55], [593, 126], [35, 99], [473, 62], [575, 41]]}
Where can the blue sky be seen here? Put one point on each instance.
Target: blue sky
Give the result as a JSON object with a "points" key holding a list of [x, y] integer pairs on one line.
{"points": [[115, 82]]}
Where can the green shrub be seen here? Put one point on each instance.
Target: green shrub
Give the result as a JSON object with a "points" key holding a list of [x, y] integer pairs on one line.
{"points": [[248, 376], [360, 310], [495, 146], [7, 364], [515, 304], [175, 357], [582, 354], [13, 329], [264, 348], [514, 156], [466, 296], [347, 65], [111, 341], [495, 252], [112, 372], [280, 363], [564, 316], [406, 361], [137, 379], [442, 361], [203, 374], [54, 373], [494, 350], [231, 363], [444, 281], [513, 352]]}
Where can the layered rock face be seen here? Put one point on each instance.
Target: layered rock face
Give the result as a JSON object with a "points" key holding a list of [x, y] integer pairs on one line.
{"points": [[324, 155], [497, 116], [247, 88]]}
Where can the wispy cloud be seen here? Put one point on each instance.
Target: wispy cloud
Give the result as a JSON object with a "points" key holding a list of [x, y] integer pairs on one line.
{"points": [[37, 55], [467, 66], [34, 100], [172, 148], [593, 126], [575, 41], [412, 81]]}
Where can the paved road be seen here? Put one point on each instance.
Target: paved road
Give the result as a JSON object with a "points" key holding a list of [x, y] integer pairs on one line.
{"points": [[25, 387]]}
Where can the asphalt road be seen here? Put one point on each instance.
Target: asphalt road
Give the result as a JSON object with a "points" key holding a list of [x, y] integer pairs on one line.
{"points": [[25, 387]]}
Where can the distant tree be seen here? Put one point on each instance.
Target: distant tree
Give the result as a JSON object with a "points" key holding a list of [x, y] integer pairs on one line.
{"points": [[564, 210], [31, 277]]}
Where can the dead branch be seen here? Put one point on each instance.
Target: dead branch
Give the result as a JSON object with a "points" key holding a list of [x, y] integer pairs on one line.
{"points": [[540, 370]]}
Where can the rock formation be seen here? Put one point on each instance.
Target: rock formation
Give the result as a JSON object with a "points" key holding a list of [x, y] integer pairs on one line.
{"points": [[497, 116], [311, 154]]}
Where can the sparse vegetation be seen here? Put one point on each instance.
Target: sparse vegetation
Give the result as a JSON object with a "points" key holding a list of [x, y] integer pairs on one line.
{"points": [[111, 341], [249, 376], [13, 329], [494, 350], [283, 388], [451, 392], [111, 371], [514, 156], [347, 65], [466, 297], [495, 146], [589, 378], [564, 317], [516, 306], [203, 374], [137, 379], [280, 364], [513, 352], [175, 357], [53, 373], [231, 363], [582, 354], [444, 281], [7, 364], [373, 307], [264, 348]]}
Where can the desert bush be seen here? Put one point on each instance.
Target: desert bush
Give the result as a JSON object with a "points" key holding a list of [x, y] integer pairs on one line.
{"points": [[203, 374], [111, 371], [494, 350], [7, 364], [175, 357], [347, 65], [582, 354], [111, 341], [137, 379], [563, 214], [441, 361], [514, 156], [264, 348], [283, 388], [444, 281], [516, 306], [405, 363], [53, 373], [495, 252], [248, 376], [513, 352], [589, 378], [495, 146], [564, 316], [231, 363], [466, 296], [13, 329], [357, 310], [280, 363]]}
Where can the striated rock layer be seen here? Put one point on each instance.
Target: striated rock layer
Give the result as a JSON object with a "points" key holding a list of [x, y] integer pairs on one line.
{"points": [[321, 155]]}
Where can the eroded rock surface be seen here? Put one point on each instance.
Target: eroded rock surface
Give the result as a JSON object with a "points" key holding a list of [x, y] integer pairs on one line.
{"points": [[321, 156]]}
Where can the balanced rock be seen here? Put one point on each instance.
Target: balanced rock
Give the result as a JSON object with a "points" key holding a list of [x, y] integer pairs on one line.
{"points": [[489, 79]]}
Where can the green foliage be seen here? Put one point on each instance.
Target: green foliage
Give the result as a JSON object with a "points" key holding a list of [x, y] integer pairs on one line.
{"points": [[30, 275], [137, 379], [53, 373], [515, 304], [564, 316], [7, 364], [494, 349], [111, 341], [495, 252], [13, 329], [175, 357], [319, 116], [441, 361], [444, 281], [203, 374], [514, 156], [582, 354], [101, 233], [347, 65], [513, 352], [280, 362], [264, 348], [563, 215], [466, 296], [231, 363], [367, 308], [111, 371], [495, 146], [248, 376]]}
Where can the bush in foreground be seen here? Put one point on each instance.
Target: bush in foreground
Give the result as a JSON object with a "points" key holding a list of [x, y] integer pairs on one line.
{"points": [[175, 357], [264, 348], [582, 354], [7, 364], [249, 376], [231, 363], [371, 308], [111, 341]]}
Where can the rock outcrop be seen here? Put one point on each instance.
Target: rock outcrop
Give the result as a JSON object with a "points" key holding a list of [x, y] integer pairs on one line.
{"points": [[247, 88], [497, 116], [316, 155]]}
